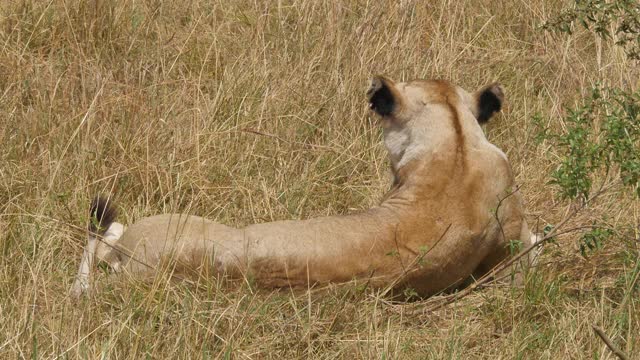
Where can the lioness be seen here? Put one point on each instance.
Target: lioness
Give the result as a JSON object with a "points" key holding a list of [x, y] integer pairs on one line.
{"points": [[450, 215]]}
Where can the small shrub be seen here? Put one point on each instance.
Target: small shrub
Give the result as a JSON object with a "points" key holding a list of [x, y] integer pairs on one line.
{"points": [[602, 16], [602, 136]]}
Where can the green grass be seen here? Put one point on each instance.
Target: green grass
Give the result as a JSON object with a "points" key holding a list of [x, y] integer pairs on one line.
{"points": [[252, 111]]}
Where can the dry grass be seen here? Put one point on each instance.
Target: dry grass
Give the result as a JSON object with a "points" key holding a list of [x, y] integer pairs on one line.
{"points": [[160, 102]]}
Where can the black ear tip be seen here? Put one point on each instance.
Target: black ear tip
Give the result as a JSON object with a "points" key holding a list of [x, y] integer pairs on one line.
{"points": [[380, 96], [490, 102]]}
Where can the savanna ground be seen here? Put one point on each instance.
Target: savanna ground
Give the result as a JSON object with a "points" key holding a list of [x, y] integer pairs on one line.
{"points": [[252, 111]]}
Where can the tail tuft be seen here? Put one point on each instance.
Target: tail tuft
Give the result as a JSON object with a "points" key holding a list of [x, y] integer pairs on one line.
{"points": [[101, 215]]}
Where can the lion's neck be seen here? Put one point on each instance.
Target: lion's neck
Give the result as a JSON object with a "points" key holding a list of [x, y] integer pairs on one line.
{"points": [[424, 149], [415, 139]]}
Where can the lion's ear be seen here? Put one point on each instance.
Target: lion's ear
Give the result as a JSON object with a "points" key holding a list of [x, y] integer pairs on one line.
{"points": [[383, 97], [489, 101]]}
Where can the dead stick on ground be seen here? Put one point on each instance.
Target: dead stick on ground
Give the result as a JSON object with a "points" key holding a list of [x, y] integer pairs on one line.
{"points": [[617, 352]]}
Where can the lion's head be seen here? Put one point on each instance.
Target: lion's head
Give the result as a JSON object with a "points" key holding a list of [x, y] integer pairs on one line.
{"points": [[421, 114]]}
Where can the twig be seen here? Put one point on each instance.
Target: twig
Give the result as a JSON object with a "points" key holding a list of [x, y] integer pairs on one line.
{"points": [[415, 261], [495, 213], [614, 349]]}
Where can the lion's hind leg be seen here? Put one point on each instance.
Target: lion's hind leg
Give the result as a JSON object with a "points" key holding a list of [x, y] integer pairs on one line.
{"points": [[81, 284], [107, 250], [504, 251], [103, 234], [102, 248]]}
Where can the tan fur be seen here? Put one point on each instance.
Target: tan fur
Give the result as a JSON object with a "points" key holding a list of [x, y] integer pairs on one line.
{"points": [[450, 215]]}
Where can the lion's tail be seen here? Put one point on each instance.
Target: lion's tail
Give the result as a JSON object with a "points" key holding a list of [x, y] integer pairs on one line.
{"points": [[101, 215]]}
